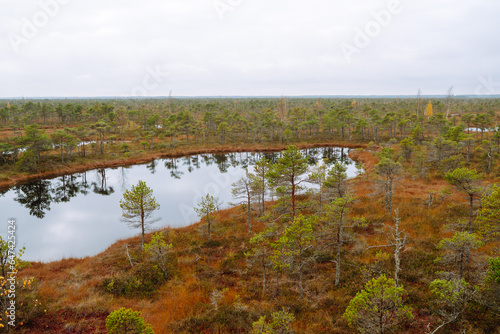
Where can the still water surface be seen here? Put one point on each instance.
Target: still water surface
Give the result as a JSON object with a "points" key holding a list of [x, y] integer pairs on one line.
{"points": [[79, 215]]}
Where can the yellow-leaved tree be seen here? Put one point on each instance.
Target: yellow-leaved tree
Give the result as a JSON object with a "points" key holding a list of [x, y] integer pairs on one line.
{"points": [[428, 110]]}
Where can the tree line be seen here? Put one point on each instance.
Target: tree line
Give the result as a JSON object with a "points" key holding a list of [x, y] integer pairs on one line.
{"points": [[94, 127]]}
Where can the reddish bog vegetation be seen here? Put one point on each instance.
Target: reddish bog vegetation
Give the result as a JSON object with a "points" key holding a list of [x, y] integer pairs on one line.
{"points": [[78, 294]]}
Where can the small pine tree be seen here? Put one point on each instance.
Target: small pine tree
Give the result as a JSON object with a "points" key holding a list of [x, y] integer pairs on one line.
{"points": [[458, 250], [242, 189], [261, 252], [467, 181], [450, 299], [286, 176], [159, 250], [127, 321], [489, 215], [281, 323], [259, 181], [138, 205], [206, 209], [388, 171], [378, 307], [293, 245]]}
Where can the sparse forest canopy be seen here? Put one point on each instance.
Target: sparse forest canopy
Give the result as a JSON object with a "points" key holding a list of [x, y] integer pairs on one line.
{"points": [[34, 130]]}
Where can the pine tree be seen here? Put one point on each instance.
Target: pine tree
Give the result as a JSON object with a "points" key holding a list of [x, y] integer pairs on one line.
{"points": [[206, 209], [378, 308], [335, 227], [388, 170], [286, 176], [242, 189], [293, 245], [138, 205], [489, 214], [467, 181], [259, 181]]}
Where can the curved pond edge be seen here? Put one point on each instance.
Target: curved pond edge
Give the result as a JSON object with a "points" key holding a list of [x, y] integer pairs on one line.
{"points": [[178, 153]]}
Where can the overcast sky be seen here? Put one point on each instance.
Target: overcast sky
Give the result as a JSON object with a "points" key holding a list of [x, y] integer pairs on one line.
{"points": [[248, 47]]}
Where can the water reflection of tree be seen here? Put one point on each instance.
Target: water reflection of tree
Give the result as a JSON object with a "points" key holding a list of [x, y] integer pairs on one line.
{"points": [[246, 159], [234, 161], [100, 186], [66, 188], [36, 197], [312, 156], [208, 159], [123, 178], [272, 157], [330, 154], [222, 162], [84, 185], [171, 165], [187, 162], [196, 161], [152, 166], [334, 154], [243, 158]]}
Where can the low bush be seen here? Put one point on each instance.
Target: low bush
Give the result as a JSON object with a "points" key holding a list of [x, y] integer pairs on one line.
{"points": [[142, 281]]}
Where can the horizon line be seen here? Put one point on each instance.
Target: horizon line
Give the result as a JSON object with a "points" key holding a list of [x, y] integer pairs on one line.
{"points": [[250, 96]]}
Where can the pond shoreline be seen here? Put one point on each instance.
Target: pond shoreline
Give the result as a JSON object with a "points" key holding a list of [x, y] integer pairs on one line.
{"points": [[176, 153], [178, 182]]}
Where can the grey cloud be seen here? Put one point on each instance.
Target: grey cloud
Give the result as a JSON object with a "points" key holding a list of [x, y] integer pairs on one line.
{"points": [[96, 48]]}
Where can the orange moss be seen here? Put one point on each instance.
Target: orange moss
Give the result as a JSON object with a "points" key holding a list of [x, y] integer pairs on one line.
{"points": [[72, 285]]}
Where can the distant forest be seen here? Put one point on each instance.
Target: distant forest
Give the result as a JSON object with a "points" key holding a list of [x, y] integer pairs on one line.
{"points": [[69, 126]]}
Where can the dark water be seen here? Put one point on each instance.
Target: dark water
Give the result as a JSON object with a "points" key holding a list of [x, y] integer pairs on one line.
{"points": [[79, 215]]}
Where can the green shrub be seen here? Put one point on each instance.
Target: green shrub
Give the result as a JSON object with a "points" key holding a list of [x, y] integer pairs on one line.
{"points": [[281, 322], [226, 319], [494, 270], [232, 320], [143, 280], [27, 162], [124, 147], [127, 321], [162, 146], [230, 264]]}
